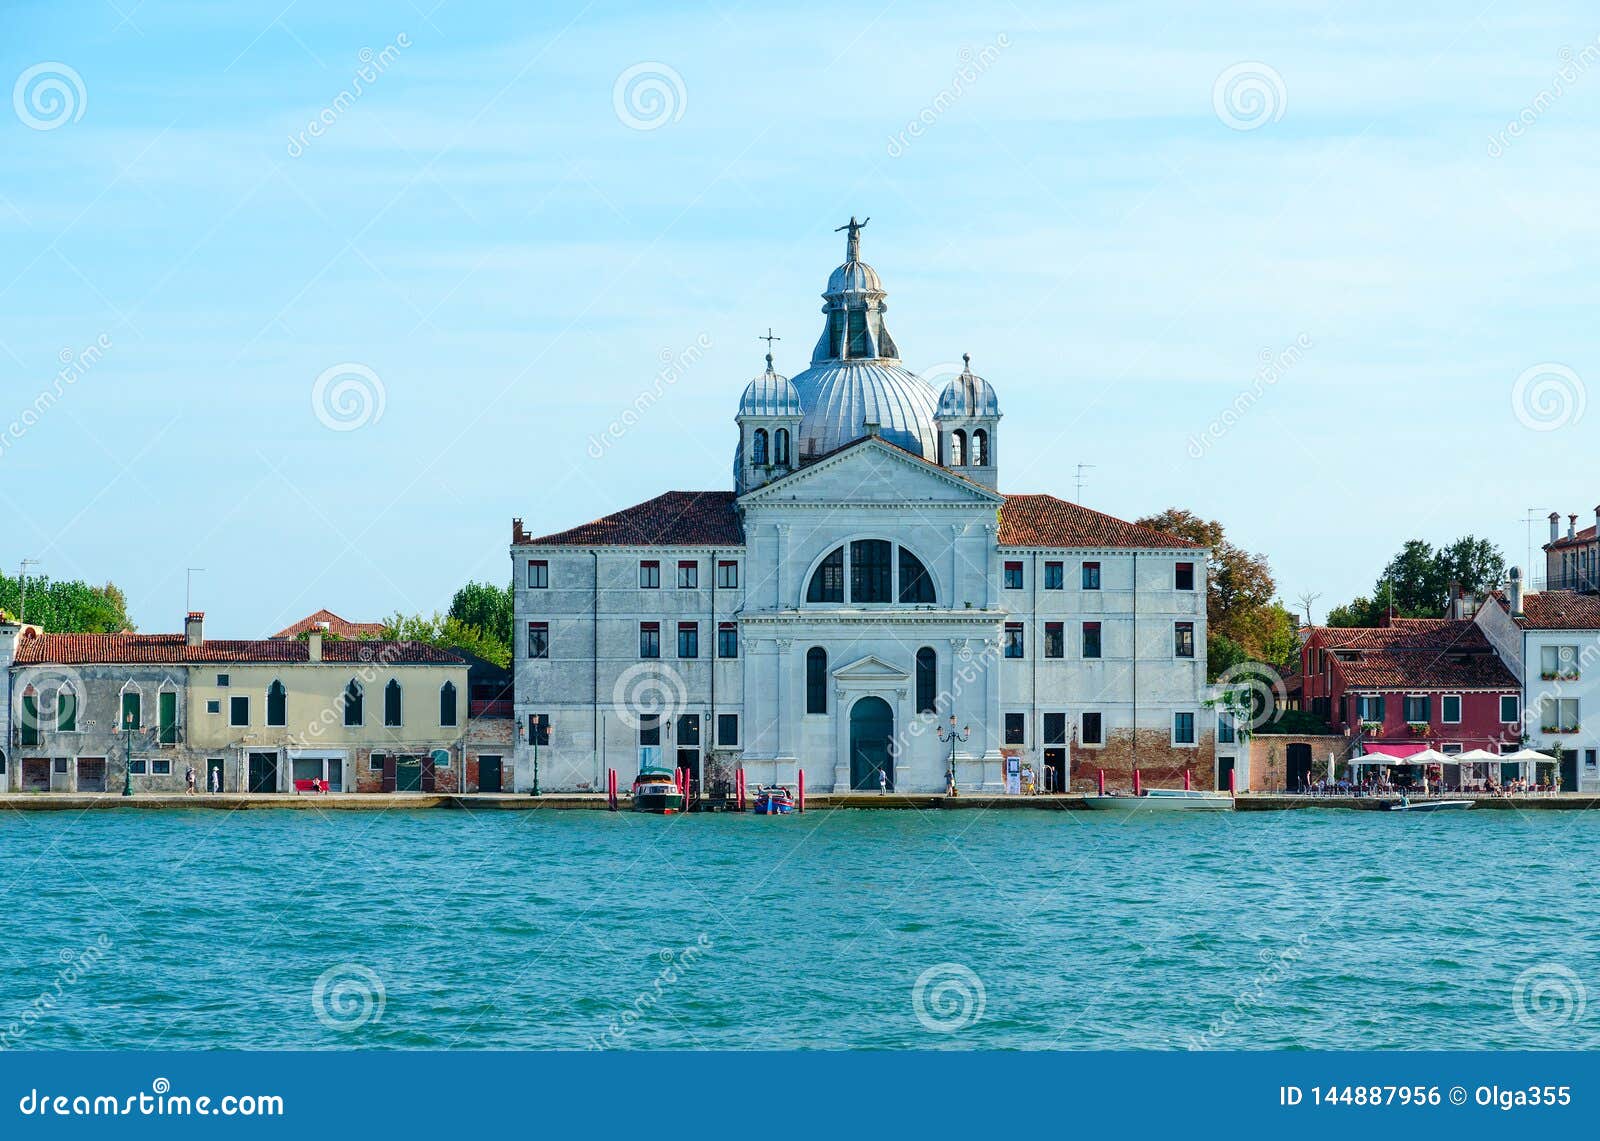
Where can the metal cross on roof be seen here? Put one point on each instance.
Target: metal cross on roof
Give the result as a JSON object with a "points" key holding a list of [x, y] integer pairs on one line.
{"points": [[769, 338]]}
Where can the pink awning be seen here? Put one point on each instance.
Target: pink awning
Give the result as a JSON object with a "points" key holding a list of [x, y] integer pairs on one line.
{"points": [[1397, 751]]}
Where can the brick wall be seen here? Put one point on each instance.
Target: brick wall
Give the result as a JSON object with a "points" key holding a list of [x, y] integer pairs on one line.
{"points": [[1160, 764]]}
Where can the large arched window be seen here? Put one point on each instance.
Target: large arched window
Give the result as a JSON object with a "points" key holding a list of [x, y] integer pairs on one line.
{"points": [[780, 446], [277, 704], [958, 448], [391, 703], [353, 713], [916, 585], [758, 447], [447, 703], [980, 448], [927, 679], [816, 680], [869, 566]]}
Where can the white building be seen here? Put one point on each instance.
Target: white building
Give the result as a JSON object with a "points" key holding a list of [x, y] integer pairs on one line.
{"points": [[864, 583], [1551, 640]]}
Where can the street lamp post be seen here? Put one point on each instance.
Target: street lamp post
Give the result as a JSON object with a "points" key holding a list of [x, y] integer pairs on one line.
{"points": [[532, 734], [127, 763], [953, 735]]}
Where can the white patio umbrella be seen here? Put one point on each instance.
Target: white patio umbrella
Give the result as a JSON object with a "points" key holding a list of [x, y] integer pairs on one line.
{"points": [[1429, 756], [1526, 757], [1478, 757]]}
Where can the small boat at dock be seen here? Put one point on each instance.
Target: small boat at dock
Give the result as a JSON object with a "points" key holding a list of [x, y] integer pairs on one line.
{"points": [[772, 800], [1408, 805], [1162, 800], [655, 790]]}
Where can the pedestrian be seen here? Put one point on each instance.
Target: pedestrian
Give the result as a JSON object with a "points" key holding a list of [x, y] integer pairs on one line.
{"points": [[214, 781], [188, 780], [883, 782]]}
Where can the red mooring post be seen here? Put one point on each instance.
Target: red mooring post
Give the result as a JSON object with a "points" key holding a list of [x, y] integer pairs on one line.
{"points": [[1100, 777], [1137, 787], [611, 789], [1233, 783], [1185, 780], [800, 785], [738, 779]]}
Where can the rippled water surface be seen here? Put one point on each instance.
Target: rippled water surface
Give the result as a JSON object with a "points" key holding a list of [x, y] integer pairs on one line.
{"points": [[1026, 929]]}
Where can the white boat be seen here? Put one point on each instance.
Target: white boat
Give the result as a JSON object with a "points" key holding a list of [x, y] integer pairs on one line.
{"points": [[1430, 805], [1163, 800]]}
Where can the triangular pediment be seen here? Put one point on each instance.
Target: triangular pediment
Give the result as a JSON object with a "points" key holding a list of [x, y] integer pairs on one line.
{"points": [[870, 668], [865, 471]]}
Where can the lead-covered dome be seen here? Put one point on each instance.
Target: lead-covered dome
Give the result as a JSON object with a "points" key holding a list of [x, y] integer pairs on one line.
{"points": [[770, 394], [968, 395]]}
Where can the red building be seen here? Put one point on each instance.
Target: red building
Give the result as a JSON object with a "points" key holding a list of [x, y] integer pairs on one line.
{"points": [[1412, 684]]}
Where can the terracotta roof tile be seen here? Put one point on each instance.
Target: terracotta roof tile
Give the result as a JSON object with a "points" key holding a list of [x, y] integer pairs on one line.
{"points": [[1587, 535], [1405, 634], [1045, 521], [84, 649], [1417, 653], [1560, 610], [334, 625], [675, 519]]}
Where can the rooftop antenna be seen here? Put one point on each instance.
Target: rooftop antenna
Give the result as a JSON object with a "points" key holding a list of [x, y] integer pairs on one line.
{"points": [[769, 338], [1081, 469], [188, 588], [1534, 515], [22, 583]]}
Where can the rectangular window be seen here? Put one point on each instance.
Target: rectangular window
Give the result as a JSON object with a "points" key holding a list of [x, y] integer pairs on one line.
{"points": [[1183, 639], [1016, 728], [688, 639], [1183, 728], [1227, 733], [1091, 639], [136, 766], [649, 639], [61, 765], [1014, 642], [1055, 576], [1418, 708], [1092, 729], [1091, 576], [538, 639], [538, 574], [650, 575], [1369, 707], [1558, 662], [222, 681], [1054, 640], [1510, 708], [1590, 758], [1450, 709], [214, 706], [650, 729], [727, 640], [239, 710], [728, 729], [688, 575], [727, 575], [160, 768], [1559, 715], [539, 728], [1013, 576], [689, 730], [1183, 578], [1055, 728]]}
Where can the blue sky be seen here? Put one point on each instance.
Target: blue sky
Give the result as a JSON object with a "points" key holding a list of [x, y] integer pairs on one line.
{"points": [[487, 233]]}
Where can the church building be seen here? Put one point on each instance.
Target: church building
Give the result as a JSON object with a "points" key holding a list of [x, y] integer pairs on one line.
{"points": [[865, 605]]}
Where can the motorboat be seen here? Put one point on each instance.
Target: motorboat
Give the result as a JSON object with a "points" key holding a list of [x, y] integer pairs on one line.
{"points": [[1408, 805], [656, 790], [772, 800], [1163, 800]]}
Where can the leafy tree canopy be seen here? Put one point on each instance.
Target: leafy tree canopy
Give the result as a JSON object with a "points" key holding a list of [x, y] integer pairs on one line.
{"points": [[1416, 582], [72, 607]]}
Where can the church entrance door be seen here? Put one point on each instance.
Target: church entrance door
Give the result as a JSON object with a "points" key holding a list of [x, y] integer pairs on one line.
{"points": [[871, 727]]}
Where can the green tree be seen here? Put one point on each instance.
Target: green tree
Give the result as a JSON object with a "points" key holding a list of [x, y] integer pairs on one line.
{"points": [[72, 607], [1416, 582], [485, 607], [447, 633]]}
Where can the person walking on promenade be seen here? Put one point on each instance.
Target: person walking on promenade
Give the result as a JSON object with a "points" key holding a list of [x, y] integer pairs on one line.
{"points": [[883, 782], [188, 780]]}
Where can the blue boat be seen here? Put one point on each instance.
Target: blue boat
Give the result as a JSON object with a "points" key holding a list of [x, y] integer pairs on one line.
{"points": [[773, 800]]}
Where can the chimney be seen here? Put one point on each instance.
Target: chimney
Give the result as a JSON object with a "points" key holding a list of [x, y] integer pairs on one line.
{"points": [[1572, 526], [1515, 592], [1555, 526], [314, 646], [194, 628], [1456, 601]]}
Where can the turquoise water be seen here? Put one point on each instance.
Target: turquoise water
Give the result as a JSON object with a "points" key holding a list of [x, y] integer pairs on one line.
{"points": [[1028, 929]]}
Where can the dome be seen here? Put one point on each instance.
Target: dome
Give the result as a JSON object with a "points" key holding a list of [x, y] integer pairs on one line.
{"points": [[968, 395], [841, 398], [854, 277], [770, 395]]}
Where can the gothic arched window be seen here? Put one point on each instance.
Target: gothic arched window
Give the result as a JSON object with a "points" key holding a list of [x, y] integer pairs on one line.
{"points": [[277, 704], [816, 680], [391, 703], [447, 703], [353, 713]]}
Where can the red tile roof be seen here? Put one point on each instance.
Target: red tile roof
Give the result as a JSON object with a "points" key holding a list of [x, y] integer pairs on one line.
{"points": [[1045, 521], [1417, 653], [84, 649], [1587, 535], [327, 619], [675, 519], [1559, 610]]}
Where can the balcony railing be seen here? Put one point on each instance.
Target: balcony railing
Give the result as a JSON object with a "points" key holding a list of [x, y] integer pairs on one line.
{"points": [[1584, 582]]}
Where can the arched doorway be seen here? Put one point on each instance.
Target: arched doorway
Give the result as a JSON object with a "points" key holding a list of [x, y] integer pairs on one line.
{"points": [[871, 727]]}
